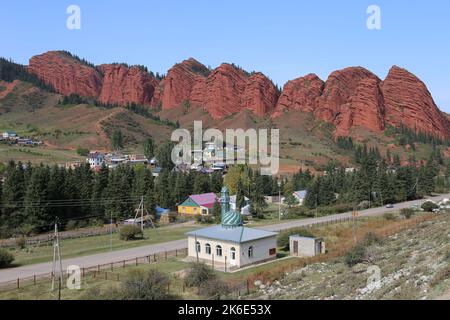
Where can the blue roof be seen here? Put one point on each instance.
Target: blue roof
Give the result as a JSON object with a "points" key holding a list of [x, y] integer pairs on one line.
{"points": [[237, 235], [300, 194]]}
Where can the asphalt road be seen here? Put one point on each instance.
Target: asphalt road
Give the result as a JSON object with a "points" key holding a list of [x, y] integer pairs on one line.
{"points": [[12, 274]]}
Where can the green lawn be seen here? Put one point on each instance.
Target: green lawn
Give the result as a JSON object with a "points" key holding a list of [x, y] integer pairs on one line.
{"points": [[42, 290], [71, 248]]}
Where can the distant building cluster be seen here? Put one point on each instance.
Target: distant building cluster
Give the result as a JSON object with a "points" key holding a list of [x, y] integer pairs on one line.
{"points": [[12, 138]]}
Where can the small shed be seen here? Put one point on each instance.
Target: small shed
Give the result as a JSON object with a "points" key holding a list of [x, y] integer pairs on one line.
{"points": [[300, 246]]}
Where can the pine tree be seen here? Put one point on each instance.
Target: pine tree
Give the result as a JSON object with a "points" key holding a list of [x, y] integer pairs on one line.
{"points": [[149, 148], [13, 193], [240, 195], [36, 197]]}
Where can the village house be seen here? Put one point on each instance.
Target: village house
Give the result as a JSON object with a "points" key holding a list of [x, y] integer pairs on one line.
{"points": [[8, 134], [231, 245], [95, 159], [300, 196], [245, 210], [198, 204]]}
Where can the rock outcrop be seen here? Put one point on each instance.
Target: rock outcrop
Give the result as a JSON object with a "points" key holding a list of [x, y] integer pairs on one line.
{"points": [[351, 97], [355, 97], [124, 85], [408, 102], [67, 74]]}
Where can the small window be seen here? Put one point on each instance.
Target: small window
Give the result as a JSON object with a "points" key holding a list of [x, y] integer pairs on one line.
{"points": [[219, 251], [250, 252], [272, 251], [197, 247], [233, 253], [208, 248]]}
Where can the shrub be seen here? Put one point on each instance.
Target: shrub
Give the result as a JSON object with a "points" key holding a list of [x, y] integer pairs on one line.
{"points": [[389, 216], [283, 237], [355, 255], [199, 274], [71, 225], [204, 219], [146, 285], [407, 212], [371, 238], [214, 287], [6, 258], [130, 232], [428, 206], [82, 151], [21, 242]]}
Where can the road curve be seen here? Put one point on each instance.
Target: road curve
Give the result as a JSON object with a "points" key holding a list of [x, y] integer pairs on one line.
{"points": [[12, 274]]}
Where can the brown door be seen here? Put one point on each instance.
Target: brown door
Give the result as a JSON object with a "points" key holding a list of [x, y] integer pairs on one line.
{"points": [[296, 247]]}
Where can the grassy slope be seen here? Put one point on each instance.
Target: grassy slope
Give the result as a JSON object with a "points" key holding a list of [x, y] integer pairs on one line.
{"points": [[414, 264], [35, 113]]}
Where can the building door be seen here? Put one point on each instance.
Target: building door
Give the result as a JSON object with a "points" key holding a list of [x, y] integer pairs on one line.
{"points": [[318, 247], [296, 247]]}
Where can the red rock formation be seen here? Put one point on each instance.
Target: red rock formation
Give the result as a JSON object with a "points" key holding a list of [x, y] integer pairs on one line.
{"points": [[66, 74], [185, 81], [349, 98], [223, 91], [300, 94], [260, 95], [408, 101], [364, 109], [338, 90], [123, 85]]}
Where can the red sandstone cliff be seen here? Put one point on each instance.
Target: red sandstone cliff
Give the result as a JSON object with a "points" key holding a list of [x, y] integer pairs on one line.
{"points": [[350, 97]]}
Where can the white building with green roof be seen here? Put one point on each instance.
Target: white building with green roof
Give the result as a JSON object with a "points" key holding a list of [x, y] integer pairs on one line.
{"points": [[231, 245]]}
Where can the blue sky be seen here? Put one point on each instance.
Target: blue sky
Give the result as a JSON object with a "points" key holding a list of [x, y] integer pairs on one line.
{"points": [[283, 39]]}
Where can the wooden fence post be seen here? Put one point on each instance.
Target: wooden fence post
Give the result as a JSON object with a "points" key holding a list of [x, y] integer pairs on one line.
{"points": [[248, 286], [18, 283], [165, 254]]}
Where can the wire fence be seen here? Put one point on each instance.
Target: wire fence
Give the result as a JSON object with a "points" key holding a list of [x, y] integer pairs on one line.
{"points": [[105, 271], [101, 271]]}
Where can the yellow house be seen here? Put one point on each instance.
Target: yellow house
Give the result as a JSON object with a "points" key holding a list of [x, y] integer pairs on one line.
{"points": [[198, 204]]}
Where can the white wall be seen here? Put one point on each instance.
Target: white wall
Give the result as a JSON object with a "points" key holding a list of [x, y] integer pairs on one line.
{"points": [[261, 249]]}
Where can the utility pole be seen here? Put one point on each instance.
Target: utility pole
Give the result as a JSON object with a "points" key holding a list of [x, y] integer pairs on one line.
{"points": [[57, 255], [279, 200], [111, 233], [354, 216]]}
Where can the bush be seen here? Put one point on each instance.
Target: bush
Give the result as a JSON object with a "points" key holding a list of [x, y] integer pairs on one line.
{"points": [[407, 212], [6, 258], [204, 219], [389, 216], [82, 151], [428, 206], [371, 238], [71, 225], [199, 274], [355, 255], [146, 285], [130, 232], [21, 242], [283, 237], [214, 287]]}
